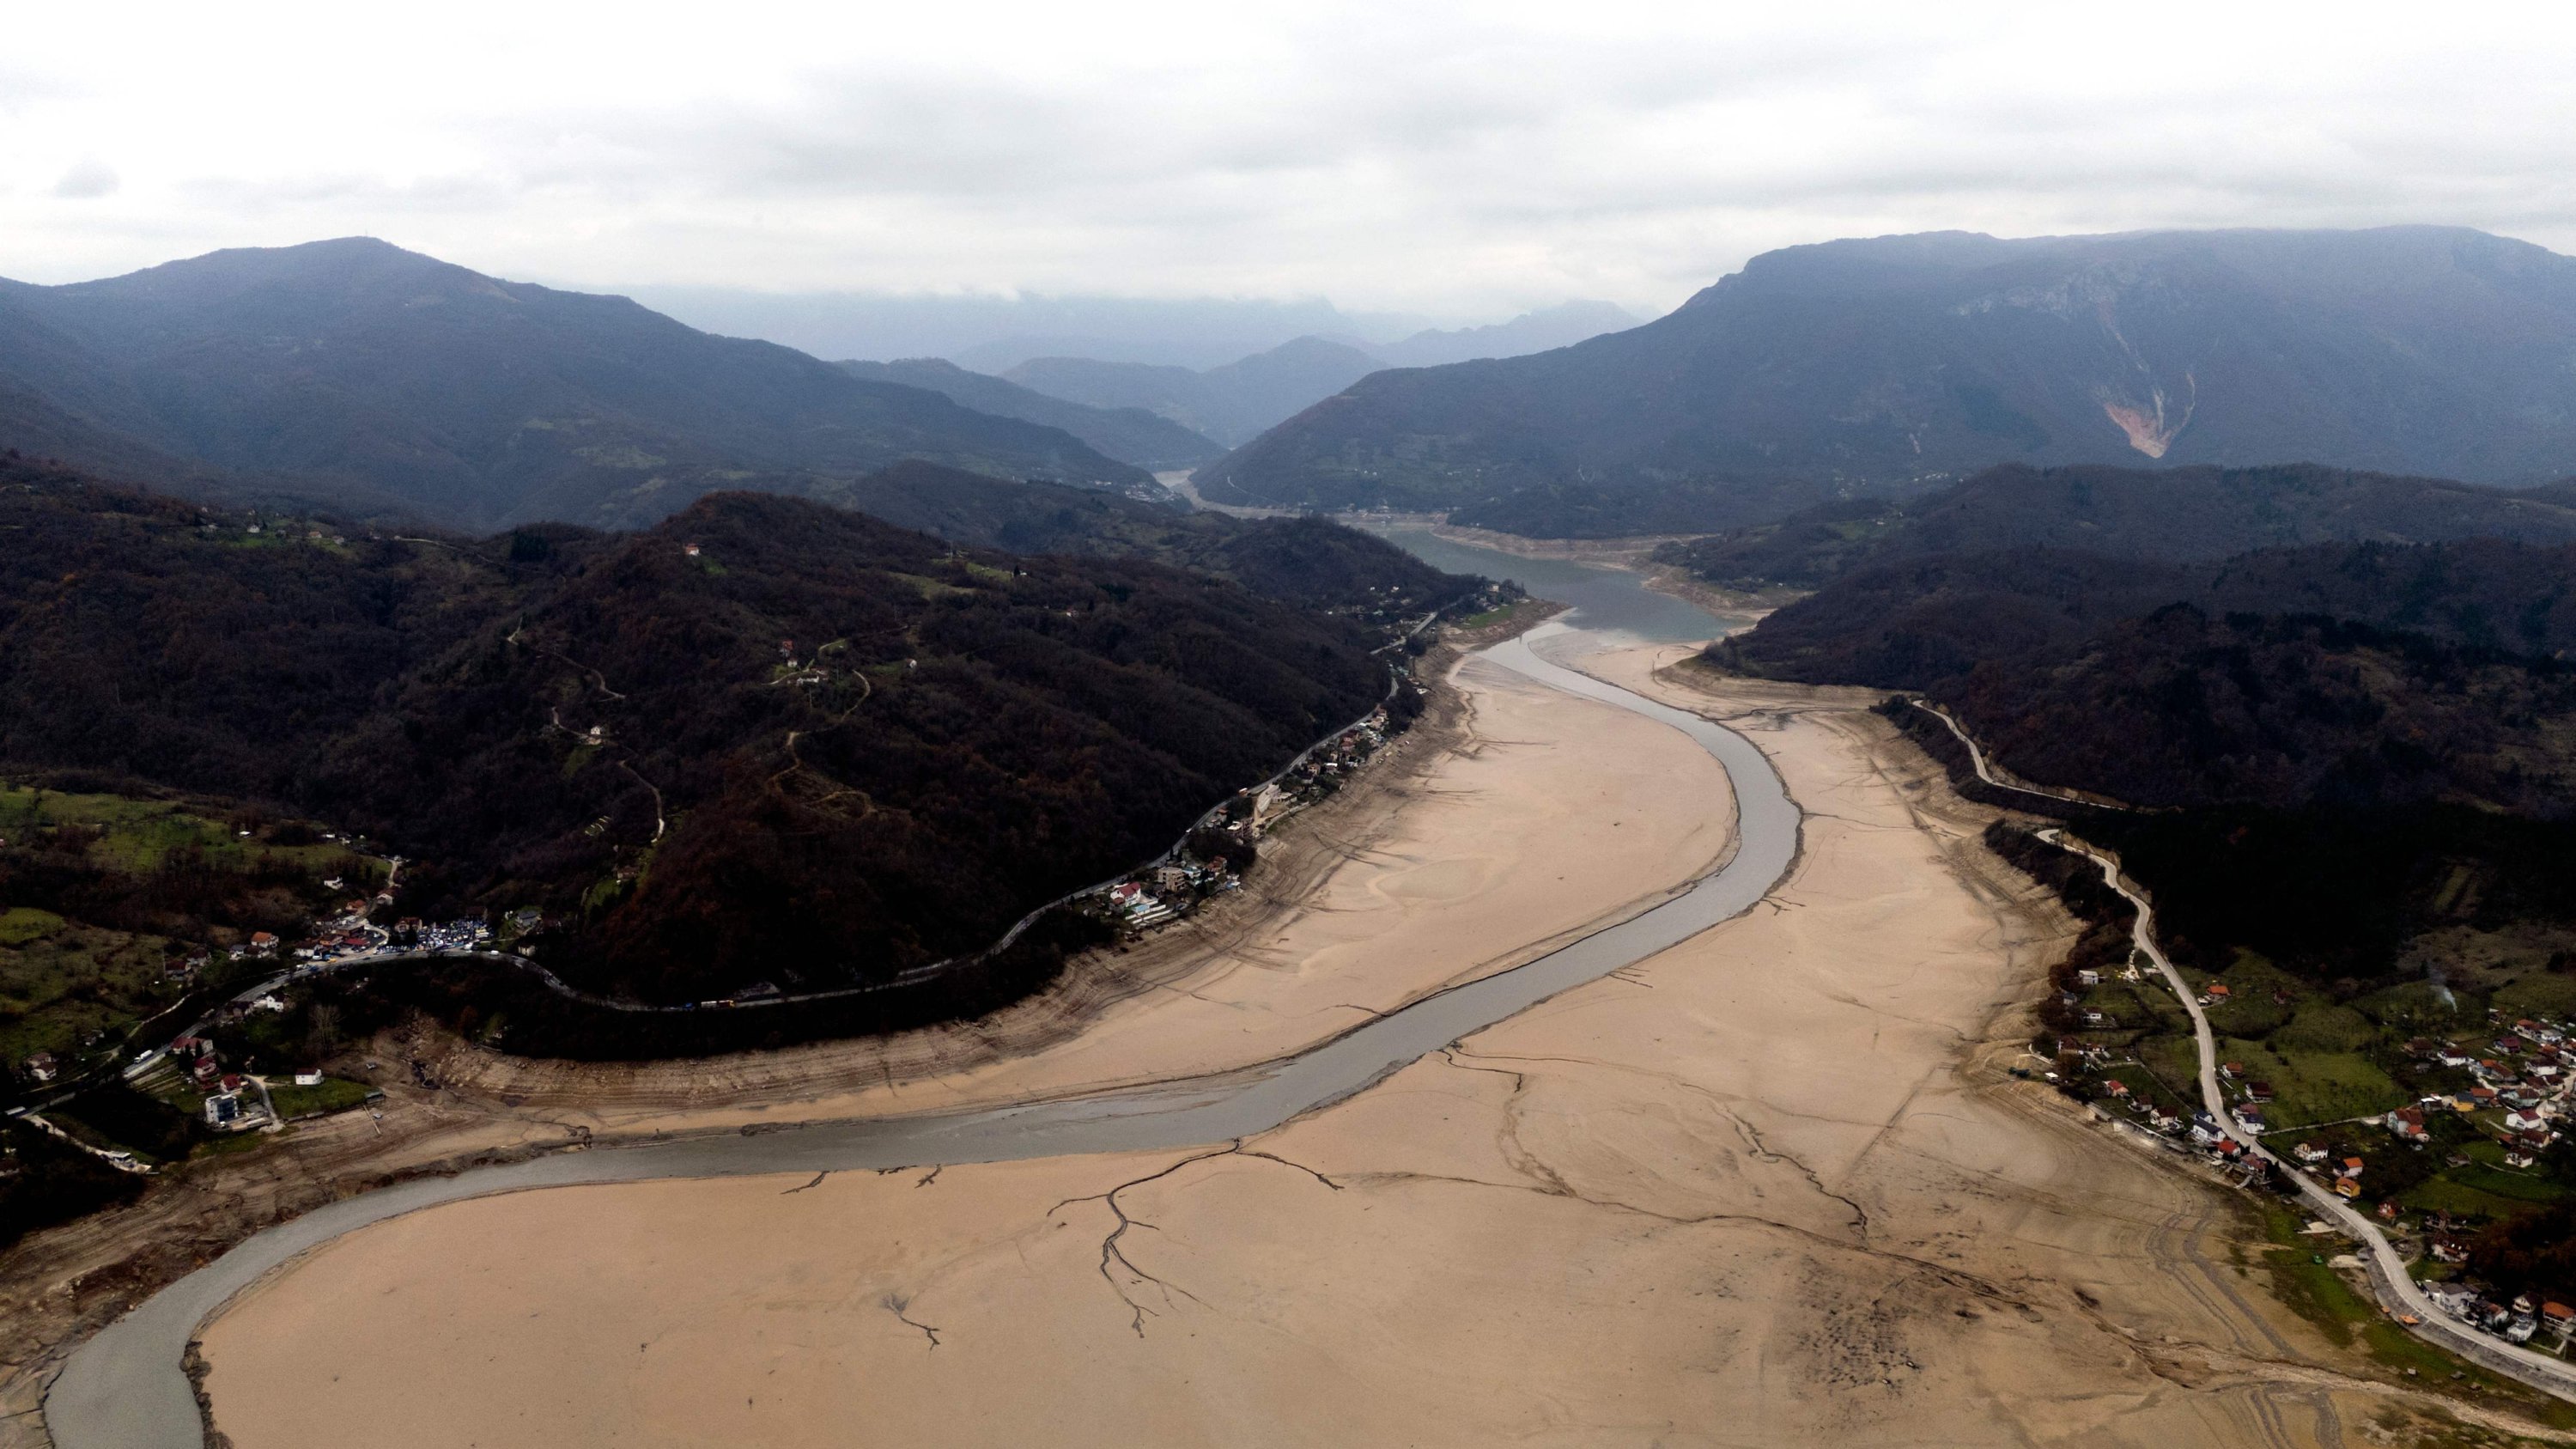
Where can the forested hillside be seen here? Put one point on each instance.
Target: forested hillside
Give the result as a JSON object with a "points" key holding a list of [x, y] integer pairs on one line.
{"points": [[2357, 672], [2175, 515], [765, 739]]}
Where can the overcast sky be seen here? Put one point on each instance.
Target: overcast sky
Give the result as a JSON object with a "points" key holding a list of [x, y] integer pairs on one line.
{"points": [[1461, 161]]}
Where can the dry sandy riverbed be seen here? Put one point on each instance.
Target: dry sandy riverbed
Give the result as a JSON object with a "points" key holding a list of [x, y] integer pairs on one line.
{"points": [[1765, 1188]]}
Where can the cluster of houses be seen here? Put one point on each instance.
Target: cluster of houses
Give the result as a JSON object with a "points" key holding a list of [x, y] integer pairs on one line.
{"points": [[1173, 886], [233, 1103], [352, 934], [2516, 1321], [1168, 891], [2517, 1087]]}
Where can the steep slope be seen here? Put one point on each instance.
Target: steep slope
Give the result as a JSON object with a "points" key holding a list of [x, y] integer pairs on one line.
{"points": [[2176, 515], [1896, 363], [1231, 404], [2355, 673], [1129, 434], [356, 371]]}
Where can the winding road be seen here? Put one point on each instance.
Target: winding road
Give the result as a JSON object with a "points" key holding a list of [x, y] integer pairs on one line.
{"points": [[125, 1388], [2394, 1287]]}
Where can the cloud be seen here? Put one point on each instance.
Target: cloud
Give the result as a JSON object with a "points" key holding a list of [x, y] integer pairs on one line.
{"points": [[87, 179], [1461, 159]]}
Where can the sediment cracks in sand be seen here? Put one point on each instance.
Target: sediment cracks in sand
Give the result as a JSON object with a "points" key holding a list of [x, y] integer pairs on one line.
{"points": [[126, 1389]]}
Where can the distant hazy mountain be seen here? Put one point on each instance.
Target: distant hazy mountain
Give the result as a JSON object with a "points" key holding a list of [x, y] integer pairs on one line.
{"points": [[367, 376], [1562, 325], [1232, 404], [1897, 363], [994, 333], [1128, 434], [1237, 402]]}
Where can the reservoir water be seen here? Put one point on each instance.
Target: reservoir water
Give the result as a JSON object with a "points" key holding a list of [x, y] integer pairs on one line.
{"points": [[1612, 603]]}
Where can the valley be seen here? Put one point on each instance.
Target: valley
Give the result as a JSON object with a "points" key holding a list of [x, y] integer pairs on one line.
{"points": [[569, 879], [1666, 1166]]}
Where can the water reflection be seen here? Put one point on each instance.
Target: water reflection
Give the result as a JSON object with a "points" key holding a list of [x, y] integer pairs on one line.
{"points": [[1601, 599]]}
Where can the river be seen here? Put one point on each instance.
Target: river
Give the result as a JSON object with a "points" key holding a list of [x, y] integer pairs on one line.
{"points": [[125, 1389]]}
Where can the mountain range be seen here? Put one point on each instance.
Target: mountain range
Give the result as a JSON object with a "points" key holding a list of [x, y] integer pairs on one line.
{"points": [[382, 382], [1232, 404], [1895, 364], [1238, 401], [1133, 435]]}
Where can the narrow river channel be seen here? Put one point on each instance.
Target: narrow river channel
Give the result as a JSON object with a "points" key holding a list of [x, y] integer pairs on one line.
{"points": [[125, 1388]]}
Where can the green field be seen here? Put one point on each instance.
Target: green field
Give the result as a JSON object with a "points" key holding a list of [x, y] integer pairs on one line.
{"points": [[63, 985], [136, 835], [334, 1095]]}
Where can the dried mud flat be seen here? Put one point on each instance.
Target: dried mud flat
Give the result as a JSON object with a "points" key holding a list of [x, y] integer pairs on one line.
{"points": [[1767, 1187]]}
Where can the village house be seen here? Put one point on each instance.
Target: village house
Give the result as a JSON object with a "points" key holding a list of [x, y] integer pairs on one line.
{"points": [[2349, 1169], [41, 1068], [2408, 1124]]}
